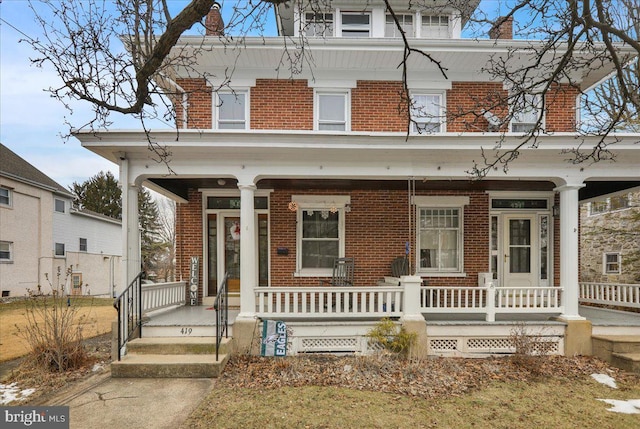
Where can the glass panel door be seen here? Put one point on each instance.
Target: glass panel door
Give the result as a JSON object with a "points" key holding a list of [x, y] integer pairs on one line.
{"points": [[232, 252], [521, 253]]}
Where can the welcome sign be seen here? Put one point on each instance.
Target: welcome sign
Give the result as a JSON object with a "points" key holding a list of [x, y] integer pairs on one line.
{"points": [[274, 338], [194, 270]]}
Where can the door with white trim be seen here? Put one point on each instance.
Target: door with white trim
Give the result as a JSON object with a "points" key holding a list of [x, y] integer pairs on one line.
{"points": [[520, 250]]}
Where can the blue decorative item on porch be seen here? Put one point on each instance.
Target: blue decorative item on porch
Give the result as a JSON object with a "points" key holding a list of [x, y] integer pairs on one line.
{"points": [[274, 338]]}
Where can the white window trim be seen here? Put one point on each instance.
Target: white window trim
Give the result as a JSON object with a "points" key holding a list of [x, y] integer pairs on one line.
{"points": [[10, 259], [9, 196], [247, 108], [347, 108], [442, 113], [341, 27], [319, 202], [605, 271], [453, 202], [303, 24], [395, 27], [541, 111], [450, 24]]}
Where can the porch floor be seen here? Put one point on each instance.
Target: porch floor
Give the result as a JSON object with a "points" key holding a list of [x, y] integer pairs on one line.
{"points": [[204, 315]]}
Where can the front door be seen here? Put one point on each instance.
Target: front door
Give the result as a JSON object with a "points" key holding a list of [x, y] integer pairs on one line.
{"points": [[231, 247], [520, 251]]}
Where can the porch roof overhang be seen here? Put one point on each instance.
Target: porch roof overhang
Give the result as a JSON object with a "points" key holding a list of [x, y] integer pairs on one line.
{"points": [[200, 157], [339, 58]]}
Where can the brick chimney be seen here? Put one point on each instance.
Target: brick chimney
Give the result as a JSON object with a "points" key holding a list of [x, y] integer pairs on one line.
{"points": [[213, 23], [502, 28]]}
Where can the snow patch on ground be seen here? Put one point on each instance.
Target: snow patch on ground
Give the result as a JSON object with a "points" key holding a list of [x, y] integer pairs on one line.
{"points": [[11, 392], [630, 406], [605, 379]]}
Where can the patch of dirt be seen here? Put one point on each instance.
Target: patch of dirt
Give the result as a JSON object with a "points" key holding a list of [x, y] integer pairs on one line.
{"points": [[427, 378]]}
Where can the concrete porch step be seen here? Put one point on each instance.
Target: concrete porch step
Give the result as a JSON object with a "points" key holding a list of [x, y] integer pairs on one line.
{"points": [[169, 366], [621, 351], [177, 345], [626, 361]]}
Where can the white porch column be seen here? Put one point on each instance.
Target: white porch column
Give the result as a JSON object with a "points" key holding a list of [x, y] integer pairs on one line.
{"points": [[412, 319], [131, 260], [569, 249], [248, 251]]}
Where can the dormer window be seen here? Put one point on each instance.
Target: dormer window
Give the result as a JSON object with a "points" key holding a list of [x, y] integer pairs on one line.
{"points": [[356, 24], [318, 24], [406, 23], [435, 27]]}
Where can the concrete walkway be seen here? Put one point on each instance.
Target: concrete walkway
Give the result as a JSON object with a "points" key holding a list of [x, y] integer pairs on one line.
{"points": [[105, 402]]}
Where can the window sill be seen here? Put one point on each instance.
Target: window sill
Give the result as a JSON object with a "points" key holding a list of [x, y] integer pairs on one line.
{"points": [[4, 261], [440, 274], [314, 273]]}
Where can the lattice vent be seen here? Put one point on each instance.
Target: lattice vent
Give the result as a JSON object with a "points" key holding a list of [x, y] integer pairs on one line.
{"points": [[545, 346], [329, 344], [448, 344], [490, 343]]}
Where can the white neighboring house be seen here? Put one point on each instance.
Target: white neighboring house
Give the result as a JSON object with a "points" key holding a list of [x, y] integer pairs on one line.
{"points": [[41, 235]]}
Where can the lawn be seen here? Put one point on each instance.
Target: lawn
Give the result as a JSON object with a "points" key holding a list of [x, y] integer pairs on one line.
{"points": [[96, 315], [448, 393]]}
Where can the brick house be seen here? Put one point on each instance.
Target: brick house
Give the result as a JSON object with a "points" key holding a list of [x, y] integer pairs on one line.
{"points": [[275, 178]]}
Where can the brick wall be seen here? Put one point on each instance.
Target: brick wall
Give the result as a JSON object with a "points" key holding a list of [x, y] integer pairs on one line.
{"points": [[199, 104], [281, 104], [378, 106], [560, 103], [189, 240]]}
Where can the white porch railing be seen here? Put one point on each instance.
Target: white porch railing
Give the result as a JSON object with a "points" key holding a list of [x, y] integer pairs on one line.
{"points": [[619, 294], [161, 295], [490, 300], [329, 302], [381, 301]]}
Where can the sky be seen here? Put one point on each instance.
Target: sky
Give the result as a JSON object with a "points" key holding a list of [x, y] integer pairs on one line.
{"points": [[31, 122]]}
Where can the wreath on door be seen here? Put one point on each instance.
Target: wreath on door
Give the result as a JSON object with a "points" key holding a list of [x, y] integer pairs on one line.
{"points": [[235, 230]]}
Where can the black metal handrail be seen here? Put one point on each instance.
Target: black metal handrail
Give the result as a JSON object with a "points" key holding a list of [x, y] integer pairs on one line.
{"points": [[221, 306], [129, 307]]}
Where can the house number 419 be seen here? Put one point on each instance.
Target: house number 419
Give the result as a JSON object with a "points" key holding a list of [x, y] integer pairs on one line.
{"points": [[186, 331]]}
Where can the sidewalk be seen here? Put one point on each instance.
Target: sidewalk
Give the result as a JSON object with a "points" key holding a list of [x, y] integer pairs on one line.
{"points": [[102, 401]]}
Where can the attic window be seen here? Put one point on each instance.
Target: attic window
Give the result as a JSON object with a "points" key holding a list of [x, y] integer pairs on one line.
{"points": [[406, 23], [356, 24], [318, 24], [435, 27]]}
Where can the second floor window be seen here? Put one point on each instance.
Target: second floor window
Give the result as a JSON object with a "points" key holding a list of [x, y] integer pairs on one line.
{"points": [[332, 111], [5, 197], [59, 249], [59, 205], [527, 114], [318, 24], [83, 244], [232, 110], [426, 113], [6, 251], [356, 24], [406, 23]]}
